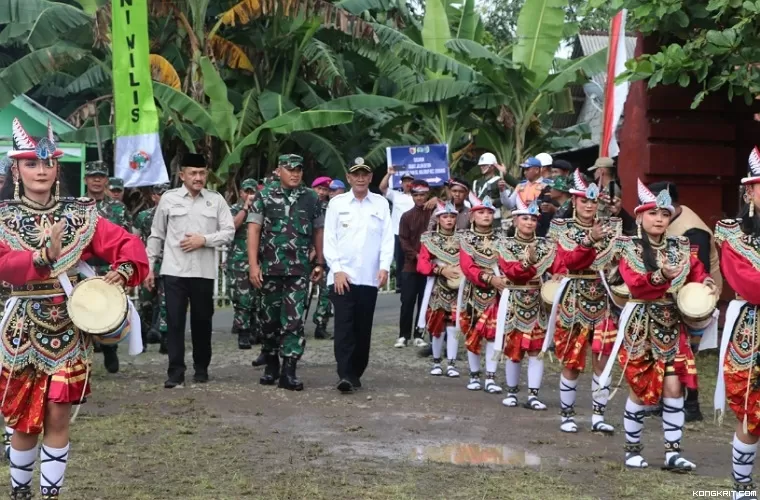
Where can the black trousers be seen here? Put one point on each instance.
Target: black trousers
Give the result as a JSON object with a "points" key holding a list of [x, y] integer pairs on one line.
{"points": [[354, 312], [199, 293], [411, 294], [398, 256]]}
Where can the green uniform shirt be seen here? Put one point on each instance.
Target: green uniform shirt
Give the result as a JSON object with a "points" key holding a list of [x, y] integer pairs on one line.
{"points": [[237, 256], [288, 218], [116, 212], [143, 223]]}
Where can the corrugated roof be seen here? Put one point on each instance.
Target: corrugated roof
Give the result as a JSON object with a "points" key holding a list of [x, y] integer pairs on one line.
{"points": [[591, 42]]}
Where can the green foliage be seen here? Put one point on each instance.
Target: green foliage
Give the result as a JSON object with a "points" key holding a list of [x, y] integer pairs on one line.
{"points": [[708, 45]]}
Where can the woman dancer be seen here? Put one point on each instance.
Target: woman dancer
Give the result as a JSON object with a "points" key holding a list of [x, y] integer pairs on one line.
{"points": [[45, 358], [439, 260], [581, 313], [478, 258], [656, 355], [739, 376], [524, 259]]}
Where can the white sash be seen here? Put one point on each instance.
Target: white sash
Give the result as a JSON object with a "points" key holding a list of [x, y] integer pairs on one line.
{"points": [[552, 326], [135, 332], [709, 338], [422, 321], [732, 316], [625, 317]]}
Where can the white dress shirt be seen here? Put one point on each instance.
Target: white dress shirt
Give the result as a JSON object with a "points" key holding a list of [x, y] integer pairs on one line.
{"points": [[358, 238], [402, 203]]}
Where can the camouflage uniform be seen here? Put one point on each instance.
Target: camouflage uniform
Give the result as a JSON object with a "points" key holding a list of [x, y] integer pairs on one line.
{"points": [[152, 303], [242, 293], [323, 311], [117, 213]]}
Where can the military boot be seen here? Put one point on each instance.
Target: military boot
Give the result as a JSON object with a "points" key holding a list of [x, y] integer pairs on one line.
{"points": [[272, 370], [288, 379], [111, 358], [261, 360], [321, 332], [691, 407], [244, 340]]}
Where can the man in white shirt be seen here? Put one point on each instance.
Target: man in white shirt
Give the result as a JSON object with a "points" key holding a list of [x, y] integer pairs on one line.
{"points": [[402, 203], [358, 248]]}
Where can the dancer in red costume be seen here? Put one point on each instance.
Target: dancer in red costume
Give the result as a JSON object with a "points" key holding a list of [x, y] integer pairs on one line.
{"points": [[739, 376], [479, 292], [581, 314], [46, 360], [439, 261], [524, 259], [656, 356]]}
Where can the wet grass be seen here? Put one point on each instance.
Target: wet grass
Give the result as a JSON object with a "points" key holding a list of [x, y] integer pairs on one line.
{"points": [[231, 440]]}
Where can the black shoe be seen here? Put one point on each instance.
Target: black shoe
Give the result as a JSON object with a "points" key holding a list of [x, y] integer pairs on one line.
{"points": [[356, 382], [200, 378], [321, 333], [162, 349], [288, 379], [691, 410], [272, 370], [171, 383], [425, 352], [96, 347], [345, 386], [244, 341], [261, 360], [111, 359]]}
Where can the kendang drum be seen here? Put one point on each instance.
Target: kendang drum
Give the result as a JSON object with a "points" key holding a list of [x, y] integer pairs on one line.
{"points": [[620, 295], [548, 291], [100, 309], [453, 284], [696, 303]]}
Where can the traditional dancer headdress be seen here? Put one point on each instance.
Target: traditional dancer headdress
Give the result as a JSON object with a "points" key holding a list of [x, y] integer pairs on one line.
{"points": [[442, 209], [582, 188], [753, 172], [26, 148], [523, 209], [648, 201], [485, 204]]}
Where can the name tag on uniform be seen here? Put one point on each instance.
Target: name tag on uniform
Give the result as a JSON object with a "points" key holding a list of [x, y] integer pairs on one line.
{"points": [[344, 218], [378, 215]]}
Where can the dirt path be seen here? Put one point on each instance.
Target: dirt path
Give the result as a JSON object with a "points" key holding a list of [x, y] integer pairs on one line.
{"points": [[405, 435]]}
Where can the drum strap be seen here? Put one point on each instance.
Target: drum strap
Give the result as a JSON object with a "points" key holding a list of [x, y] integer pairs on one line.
{"points": [[135, 332]]}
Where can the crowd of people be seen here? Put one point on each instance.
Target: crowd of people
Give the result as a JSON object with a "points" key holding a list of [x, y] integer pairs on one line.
{"points": [[511, 270]]}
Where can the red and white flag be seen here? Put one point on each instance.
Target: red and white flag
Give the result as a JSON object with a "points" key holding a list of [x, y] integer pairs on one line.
{"points": [[614, 95]]}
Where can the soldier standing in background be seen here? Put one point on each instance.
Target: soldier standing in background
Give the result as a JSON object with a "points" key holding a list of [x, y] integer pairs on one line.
{"points": [[336, 187], [242, 293], [116, 188], [95, 178], [285, 221], [323, 312], [152, 303], [5, 166]]}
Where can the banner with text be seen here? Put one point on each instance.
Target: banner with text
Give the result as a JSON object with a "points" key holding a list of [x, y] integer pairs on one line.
{"points": [[138, 159], [429, 163]]}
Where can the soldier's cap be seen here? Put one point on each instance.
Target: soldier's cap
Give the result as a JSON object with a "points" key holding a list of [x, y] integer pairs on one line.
{"points": [[5, 165], [252, 184], [359, 165], [458, 181], [323, 181], [116, 184], [420, 187], [530, 163], [97, 167], [193, 160], [560, 184], [407, 175], [337, 184], [290, 162], [602, 162], [160, 188]]}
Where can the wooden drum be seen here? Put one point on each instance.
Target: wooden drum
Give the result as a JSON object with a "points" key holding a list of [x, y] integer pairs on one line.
{"points": [[549, 291], [696, 303], [100, 309]]}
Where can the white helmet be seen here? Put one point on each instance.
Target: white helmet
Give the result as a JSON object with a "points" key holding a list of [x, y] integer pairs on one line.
{"points": [[487, 159], [545, 159]]}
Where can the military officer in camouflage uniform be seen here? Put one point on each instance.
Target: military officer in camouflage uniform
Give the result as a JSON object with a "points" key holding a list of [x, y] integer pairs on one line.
{"points": [[323, 312], [96, 178], [152, 303], [116, 188], [241, 290], [285, 221]]}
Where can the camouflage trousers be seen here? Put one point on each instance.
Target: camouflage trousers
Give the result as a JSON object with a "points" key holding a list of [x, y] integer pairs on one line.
{"points": [[323, 312], [244, 302], [152, 308], [283, 301]]}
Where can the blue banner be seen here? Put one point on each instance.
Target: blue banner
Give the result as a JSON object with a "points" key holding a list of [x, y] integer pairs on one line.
{"points": [[428, 162]]}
